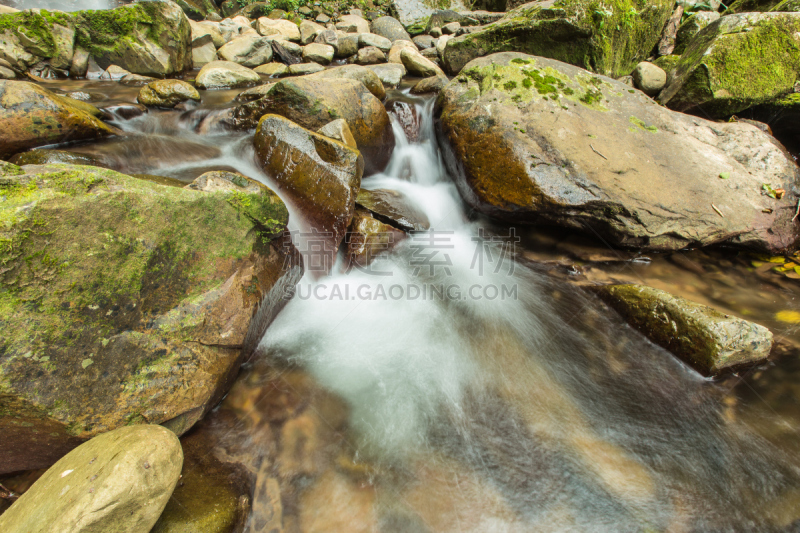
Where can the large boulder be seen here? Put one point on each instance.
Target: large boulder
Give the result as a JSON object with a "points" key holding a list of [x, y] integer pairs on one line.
{"points": [[118, 481], [691, 27], [139, 290], [609, 40], [536, 140], [226, 75], [147, 38], [32, 116], [197, 9], [710, 341], [737, 62], [313, 102], [323, 180], [750, 6]]}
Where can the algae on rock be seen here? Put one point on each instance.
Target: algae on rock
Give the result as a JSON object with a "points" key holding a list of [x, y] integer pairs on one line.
{"points": [[116, 294], [607, 38]]}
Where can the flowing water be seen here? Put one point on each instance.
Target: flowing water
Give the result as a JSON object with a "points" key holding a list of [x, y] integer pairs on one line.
{"points": [[457, 386], [63, 5]]}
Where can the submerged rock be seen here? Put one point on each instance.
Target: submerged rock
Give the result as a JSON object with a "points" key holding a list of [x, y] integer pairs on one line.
{"points": [[47, 157], [535, 140], [211, 496], [737, 62], [323, 179], [167, 93], [32, 116], [139, 290], [313, 102], [610, 41], [118, 481], [708, 340]]}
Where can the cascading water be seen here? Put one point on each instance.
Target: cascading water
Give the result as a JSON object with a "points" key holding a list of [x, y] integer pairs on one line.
{"points": [[63, 5], [453, 391]]}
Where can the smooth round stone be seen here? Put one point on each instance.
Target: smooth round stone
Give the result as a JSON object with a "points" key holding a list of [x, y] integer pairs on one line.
{"points": [[301, 69]]}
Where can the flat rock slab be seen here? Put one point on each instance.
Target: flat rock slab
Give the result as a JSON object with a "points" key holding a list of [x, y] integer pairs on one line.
{"points": [[708, 340], [530, 140]]}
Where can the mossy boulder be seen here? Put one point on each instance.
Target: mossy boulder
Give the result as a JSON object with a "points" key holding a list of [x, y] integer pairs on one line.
{"points": [[167, 93], [788, 6], [608, 39], [735, 63], [32, 116], [535, 140], [31, 36], [691, 27], [123, 302], [148, 38], [710, 341], [751, 6], [312, 102], [197, 9], [118, 481], [323, 180]]}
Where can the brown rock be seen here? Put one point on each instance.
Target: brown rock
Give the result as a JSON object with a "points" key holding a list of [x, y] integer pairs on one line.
{"points": [[322, 181], [368, 237]]}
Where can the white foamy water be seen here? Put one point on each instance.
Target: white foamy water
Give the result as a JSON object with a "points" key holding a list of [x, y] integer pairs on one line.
{"points": [[62, 5], [534, 411]]}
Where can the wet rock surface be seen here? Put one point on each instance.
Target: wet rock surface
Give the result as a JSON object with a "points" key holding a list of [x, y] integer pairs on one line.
{"points": [[312, 103], [708, 340], [323, 180], [545, 151]]}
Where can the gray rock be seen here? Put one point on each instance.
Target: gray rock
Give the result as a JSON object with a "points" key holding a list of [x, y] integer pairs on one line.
{"points": [[432, 54], [441, 43], [451, 28], [202, 29], [322, 18], [367, 77], [250, 50], [391, 74], [225, 75], [309, 31], [370, 39], [418, 65], [390, 28], [587, 152], [710, 341], [397, 48], [273, 70], [328, 37], [7, 73], [649, 78], [352, 24], [117, 481], [301, 69], [285, 28], [424, 41], [370, 55], [318, 53], [434, 84], [347, 45], [204, 54], [411, 12], [435, 32]]}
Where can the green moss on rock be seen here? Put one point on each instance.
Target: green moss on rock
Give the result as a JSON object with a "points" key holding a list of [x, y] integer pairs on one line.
{"points": [[735, 63], [608, 38]]}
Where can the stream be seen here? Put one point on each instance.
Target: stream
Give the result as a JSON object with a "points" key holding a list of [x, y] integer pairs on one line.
{"points": [[464, 381]]}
